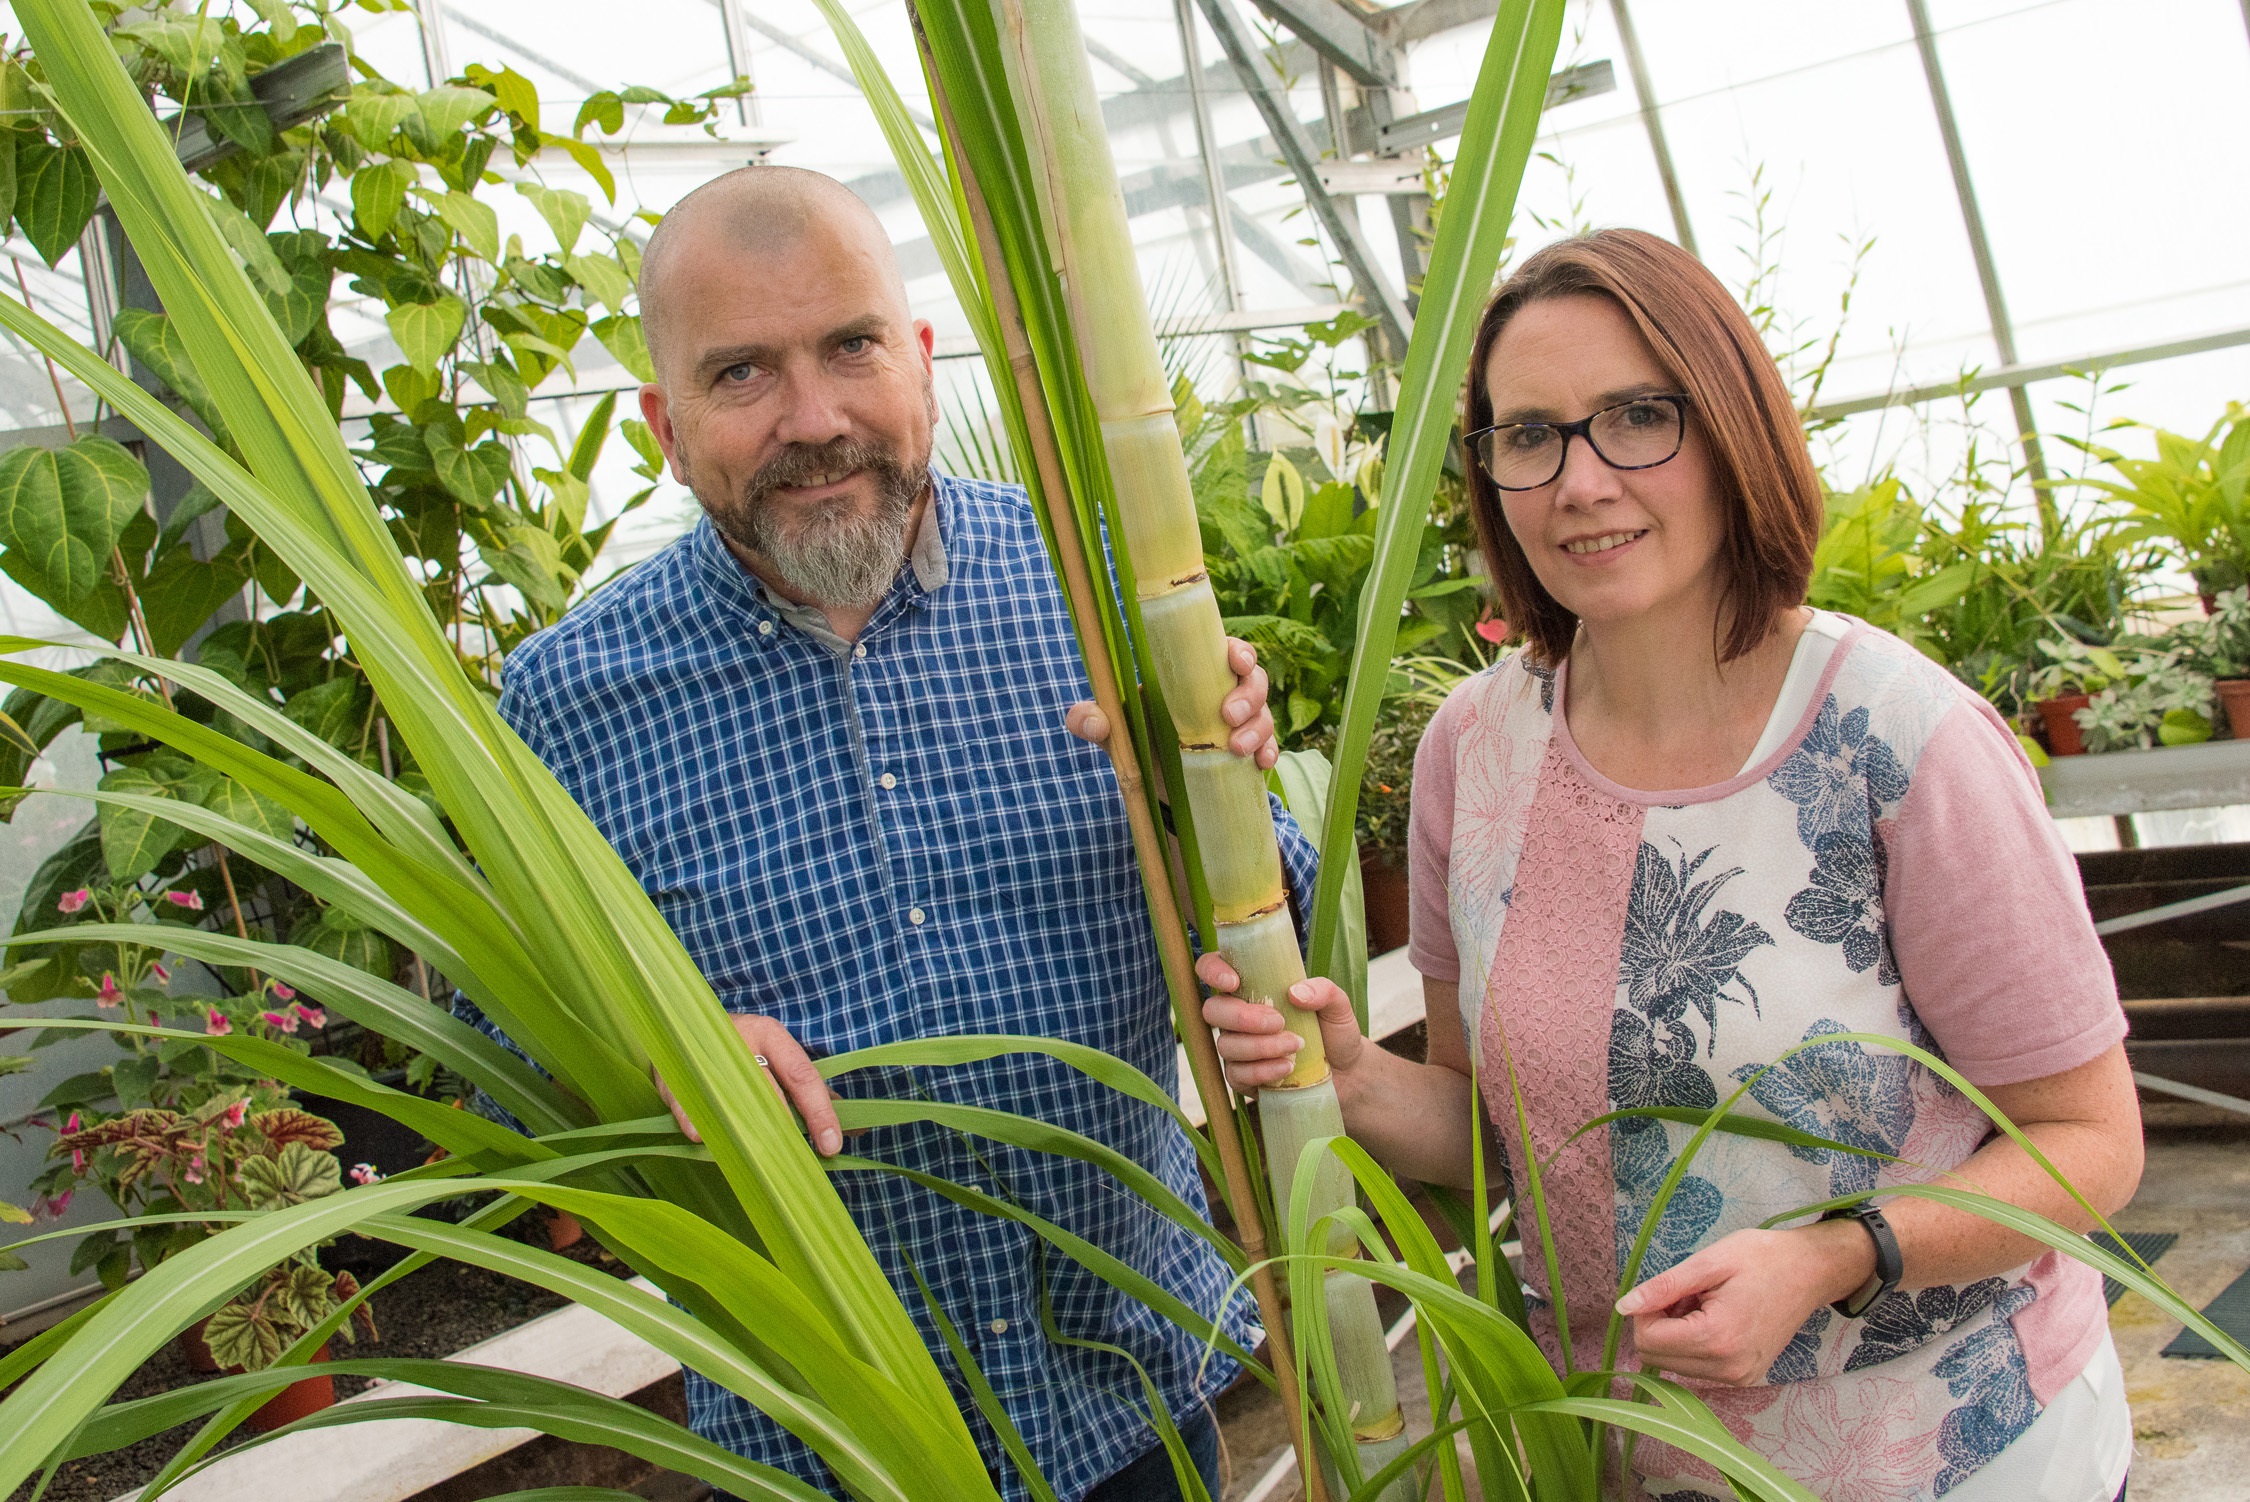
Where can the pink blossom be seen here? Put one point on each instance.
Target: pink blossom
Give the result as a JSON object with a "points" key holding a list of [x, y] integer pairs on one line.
{"points": [[236, 1113], [192, 901], [78, 1160], [365, 1173], [283, 993], [109, 995], [314, 1016], [162, 974], [280, 1022], [1495, 632], [216, 1024], [74, 901], [55, 1207], [194, 1171], [73, 1124]]}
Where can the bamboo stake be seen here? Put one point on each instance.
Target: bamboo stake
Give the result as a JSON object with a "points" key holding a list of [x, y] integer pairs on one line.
{"points": [[1150, 849]]}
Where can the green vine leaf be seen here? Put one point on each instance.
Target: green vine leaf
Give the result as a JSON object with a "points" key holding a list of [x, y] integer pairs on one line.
{"points": [[378, 193], [476, 224], [62, 510], [445, 109], [565, 212], [55, 195], [427, 331], [602, 277], [622, 337]]}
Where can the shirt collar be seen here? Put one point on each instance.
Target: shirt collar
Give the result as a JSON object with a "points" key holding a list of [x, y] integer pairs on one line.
{"points": [[927, 570]]}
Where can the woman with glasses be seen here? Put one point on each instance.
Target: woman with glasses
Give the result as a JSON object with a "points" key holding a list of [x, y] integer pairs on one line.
{"points": [[1695, 837]]}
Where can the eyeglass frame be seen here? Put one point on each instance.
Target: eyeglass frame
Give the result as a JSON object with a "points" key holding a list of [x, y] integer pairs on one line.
{"points": [[1583, 428]]}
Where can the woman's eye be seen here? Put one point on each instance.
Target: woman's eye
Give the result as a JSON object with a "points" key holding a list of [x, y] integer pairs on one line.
{"points": [[1526, 438], [1641, 415]]}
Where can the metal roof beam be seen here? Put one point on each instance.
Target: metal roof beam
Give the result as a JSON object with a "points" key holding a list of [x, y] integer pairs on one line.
{"points": [[1344, 35]]}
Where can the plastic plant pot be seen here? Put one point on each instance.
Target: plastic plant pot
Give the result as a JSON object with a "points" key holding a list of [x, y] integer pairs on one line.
{"points": [[2064, 738]]}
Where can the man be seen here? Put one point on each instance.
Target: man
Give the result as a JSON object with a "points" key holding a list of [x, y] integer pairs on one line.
{"points": [[827, 732]]}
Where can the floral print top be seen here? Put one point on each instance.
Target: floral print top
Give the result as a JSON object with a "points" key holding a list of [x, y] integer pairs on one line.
{"points": [[1889, 869]]}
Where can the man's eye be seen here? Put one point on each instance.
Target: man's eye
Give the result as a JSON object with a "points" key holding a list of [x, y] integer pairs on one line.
{"points": [[856, 344], [738, 373]]}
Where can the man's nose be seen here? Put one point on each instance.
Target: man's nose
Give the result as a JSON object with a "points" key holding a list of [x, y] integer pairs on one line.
{"points": [[812, 412]]}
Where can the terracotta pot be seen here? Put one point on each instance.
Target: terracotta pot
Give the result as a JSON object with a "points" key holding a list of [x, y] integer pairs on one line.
{"points": [[563, 1230], [2064, 738], [2234, 695], [194, 1349], [1384, 886], [295, 1401]]}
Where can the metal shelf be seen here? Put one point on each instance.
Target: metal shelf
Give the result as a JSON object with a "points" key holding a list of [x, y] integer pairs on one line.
{"points": [[2209, 775]]}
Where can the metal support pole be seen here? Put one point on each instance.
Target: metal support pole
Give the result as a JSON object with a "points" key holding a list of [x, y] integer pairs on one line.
{"points": [[1221, 207], [429, 17], [1988, 274], [746, 108], [1289, 134], [1653, 122]]}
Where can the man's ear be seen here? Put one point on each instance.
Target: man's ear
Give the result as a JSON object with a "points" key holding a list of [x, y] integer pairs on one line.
{"points": [[657, 413], [925, 334]]}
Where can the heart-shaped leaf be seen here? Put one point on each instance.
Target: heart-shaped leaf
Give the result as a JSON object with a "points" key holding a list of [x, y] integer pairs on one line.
{"points": [[565, 212], [253, 810], [603, 278], [55, 193], [378, 193], [447, 108], [475, 222], [374, 114], [133, 841], [427, 331], [61, 512], [622, 337], [152, 339]]}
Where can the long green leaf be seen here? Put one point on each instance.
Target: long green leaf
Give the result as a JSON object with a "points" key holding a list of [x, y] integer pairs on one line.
{"points": [[1504, 109]]}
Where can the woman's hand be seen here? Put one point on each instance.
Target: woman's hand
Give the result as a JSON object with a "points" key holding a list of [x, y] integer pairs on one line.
{"points": [[1726, 1312], [1254, 1040]]}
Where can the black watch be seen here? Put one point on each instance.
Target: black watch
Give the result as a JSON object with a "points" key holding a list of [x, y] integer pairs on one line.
{"points": [[1889, 1266]]}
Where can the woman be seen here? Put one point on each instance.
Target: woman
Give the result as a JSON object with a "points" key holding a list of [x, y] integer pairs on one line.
{"points": [[1692, 826]]}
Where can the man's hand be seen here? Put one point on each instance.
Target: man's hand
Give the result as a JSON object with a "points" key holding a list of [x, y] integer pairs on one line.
{"points": [[1725, 1313], [1245, 709], [791, 1071]]}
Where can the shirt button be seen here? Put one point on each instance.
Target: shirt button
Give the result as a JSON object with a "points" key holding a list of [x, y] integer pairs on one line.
{"points": [[998, 1327], [858, 653], [888, 781], [765, 628], [916, 916]]}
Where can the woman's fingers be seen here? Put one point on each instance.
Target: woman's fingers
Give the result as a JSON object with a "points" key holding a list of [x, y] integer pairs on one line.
{"points": [[1214, 971], [687, 1127]]}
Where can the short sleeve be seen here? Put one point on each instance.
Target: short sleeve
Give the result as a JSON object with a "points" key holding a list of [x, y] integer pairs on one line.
{"points": [[1429, 842], [1987, 915]]}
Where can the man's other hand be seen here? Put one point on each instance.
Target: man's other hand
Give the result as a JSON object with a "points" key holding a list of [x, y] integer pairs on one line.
{"points": [[791, 1071], [1245, 709]]}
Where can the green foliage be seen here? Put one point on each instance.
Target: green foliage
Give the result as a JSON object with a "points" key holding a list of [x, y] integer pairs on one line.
{"points": [[2192, 499]]}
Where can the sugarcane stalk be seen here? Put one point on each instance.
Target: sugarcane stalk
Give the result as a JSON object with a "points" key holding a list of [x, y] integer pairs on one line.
{"points": [[1149, 847], [1177, 617]]}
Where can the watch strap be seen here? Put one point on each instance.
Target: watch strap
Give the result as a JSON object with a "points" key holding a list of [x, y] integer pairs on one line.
{"points": [[1890, 1267]]}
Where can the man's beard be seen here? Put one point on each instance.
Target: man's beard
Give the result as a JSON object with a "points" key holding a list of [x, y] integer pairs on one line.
{"points": [[831, 552]]}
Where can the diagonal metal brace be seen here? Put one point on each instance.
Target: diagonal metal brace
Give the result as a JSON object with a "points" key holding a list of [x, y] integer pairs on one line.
{"points": [[1343, 35], [1297, 150]]}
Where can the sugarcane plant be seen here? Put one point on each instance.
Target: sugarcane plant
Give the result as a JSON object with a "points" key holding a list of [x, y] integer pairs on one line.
{"points": [[765, 1285]]}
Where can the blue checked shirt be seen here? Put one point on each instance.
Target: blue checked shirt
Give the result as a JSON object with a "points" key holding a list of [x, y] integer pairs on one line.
{"points": [[898, 839]]}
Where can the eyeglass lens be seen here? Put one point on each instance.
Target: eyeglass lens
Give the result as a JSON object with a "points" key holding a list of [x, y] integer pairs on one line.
{"points": [[1630, 435]]}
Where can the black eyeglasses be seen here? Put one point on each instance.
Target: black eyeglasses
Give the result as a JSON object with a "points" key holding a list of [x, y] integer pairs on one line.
{"points": [[1639, 434]]}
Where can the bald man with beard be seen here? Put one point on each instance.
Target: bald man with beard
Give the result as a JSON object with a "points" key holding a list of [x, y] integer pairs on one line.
{"points": [[831, 730]]}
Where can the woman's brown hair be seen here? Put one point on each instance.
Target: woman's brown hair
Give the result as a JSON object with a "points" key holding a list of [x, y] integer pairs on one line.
{"points": [[1770, 491]]}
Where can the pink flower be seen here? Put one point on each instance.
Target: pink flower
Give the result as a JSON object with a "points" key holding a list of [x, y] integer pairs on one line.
{"points": [[236, 1113], [78, 1160], [216, 1024], [55, 1207], [1495, 632], [192, 901], [314, 1016], [194, 1171], [365, 1173], [280, 1022], [109, 995], [160, 973], [74, 901], [73, 1124], [283, 993]]}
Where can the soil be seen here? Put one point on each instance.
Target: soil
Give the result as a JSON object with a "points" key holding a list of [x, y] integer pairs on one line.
{"points": [[430, 1313]]}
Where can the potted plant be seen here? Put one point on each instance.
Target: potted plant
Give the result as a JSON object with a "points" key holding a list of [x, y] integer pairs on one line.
{"points": [[2192, 499], [2065, 684], [2220, 647]]}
